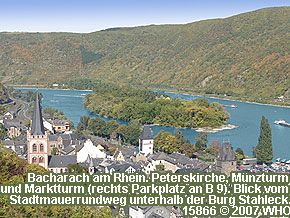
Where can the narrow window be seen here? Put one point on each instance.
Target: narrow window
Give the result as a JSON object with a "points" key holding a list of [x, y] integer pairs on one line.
{"points": [[34, 148], [41, 148]]}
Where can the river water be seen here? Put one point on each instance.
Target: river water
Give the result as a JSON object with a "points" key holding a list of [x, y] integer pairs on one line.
{"points": [[247, 117]]}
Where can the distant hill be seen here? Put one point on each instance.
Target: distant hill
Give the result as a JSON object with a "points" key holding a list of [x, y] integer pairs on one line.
{"points": [[4, 98], [247, 55]]}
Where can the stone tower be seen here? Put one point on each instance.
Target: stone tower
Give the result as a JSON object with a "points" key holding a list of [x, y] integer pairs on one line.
{"points": [[37, 138], [146, 141], [226, 159]]}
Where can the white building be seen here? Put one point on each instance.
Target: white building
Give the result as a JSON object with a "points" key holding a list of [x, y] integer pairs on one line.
{"points": [[91, 150], [146, 141]]}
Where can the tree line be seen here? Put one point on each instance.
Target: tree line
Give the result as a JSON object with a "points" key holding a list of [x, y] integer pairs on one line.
{"points": [[128, 103], [111, 130]]}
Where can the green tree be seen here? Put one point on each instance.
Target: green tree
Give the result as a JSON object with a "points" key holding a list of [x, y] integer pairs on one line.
{"points": [[240, 151], [179, 136], [187, 149], [200, 142], [83, 124], [75, 168], [160, 167], [3, 132], [264, 151]]}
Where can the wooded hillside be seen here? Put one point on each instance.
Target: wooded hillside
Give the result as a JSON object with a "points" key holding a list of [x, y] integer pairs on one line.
{"points": [[247, 54]]}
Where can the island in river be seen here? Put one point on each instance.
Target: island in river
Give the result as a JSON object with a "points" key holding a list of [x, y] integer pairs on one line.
{"points": [[129, 103]]}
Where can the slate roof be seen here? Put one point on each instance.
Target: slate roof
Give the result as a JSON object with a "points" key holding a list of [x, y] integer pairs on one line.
{"points": [[127, 154], [53, 137], [61, 160], [60, 122], [146, 133], [155, 215], [14, 123], [37, 122], [116, 154], [226, 153], [68, 149], [180, 160]]}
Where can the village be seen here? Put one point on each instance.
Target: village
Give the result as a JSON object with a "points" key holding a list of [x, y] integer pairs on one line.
{"points": [[38, 143]]}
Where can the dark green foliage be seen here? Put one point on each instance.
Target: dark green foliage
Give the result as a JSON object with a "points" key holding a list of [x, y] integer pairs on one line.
{"points": [[128, 103], [88, 56], [254, 151], [264, 151], [75, 168], [54, 151], [83, 124], [131, 133], [112, 130], [201, 141], [2, 109], [3, 132], [240, 151], [4, 97], [80, 84]]}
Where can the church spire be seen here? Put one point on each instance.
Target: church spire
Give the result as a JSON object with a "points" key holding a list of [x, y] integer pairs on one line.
{"points": [[37, 122]]}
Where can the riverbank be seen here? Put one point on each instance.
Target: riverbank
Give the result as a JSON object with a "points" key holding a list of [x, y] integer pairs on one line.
{"points": [[221, 97], [169, 91], [35, 87], [202, 129], [214, 130]]}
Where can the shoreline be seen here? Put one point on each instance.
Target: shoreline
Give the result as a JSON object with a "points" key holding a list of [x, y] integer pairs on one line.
{"points": [[160, 90], [203, 129], [28, 87], [228, 99]]}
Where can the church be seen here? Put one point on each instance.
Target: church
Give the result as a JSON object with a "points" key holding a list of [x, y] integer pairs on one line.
{"points": [[37, 145]]}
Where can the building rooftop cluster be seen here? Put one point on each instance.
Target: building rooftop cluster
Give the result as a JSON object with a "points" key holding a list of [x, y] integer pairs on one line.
{"points": [[55, 147]]}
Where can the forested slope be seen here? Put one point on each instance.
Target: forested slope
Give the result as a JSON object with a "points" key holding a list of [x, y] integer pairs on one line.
{"points": [[247, 54]]}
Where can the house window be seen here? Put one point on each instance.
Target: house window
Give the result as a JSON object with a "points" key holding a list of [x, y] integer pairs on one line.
{"points": [[130, 170], [34, 160], [41, 148], [34, 147], [41, 160]]}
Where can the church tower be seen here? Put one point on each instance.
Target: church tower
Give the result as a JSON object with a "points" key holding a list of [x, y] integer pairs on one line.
{"points": [[146, 141], [37, 138], [226, 159]]}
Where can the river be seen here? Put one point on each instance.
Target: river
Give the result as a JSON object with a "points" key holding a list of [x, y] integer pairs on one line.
{"points": [[247, 116]]}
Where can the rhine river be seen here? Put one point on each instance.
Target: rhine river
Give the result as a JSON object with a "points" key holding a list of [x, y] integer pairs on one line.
{"points": [[247, 117]]}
